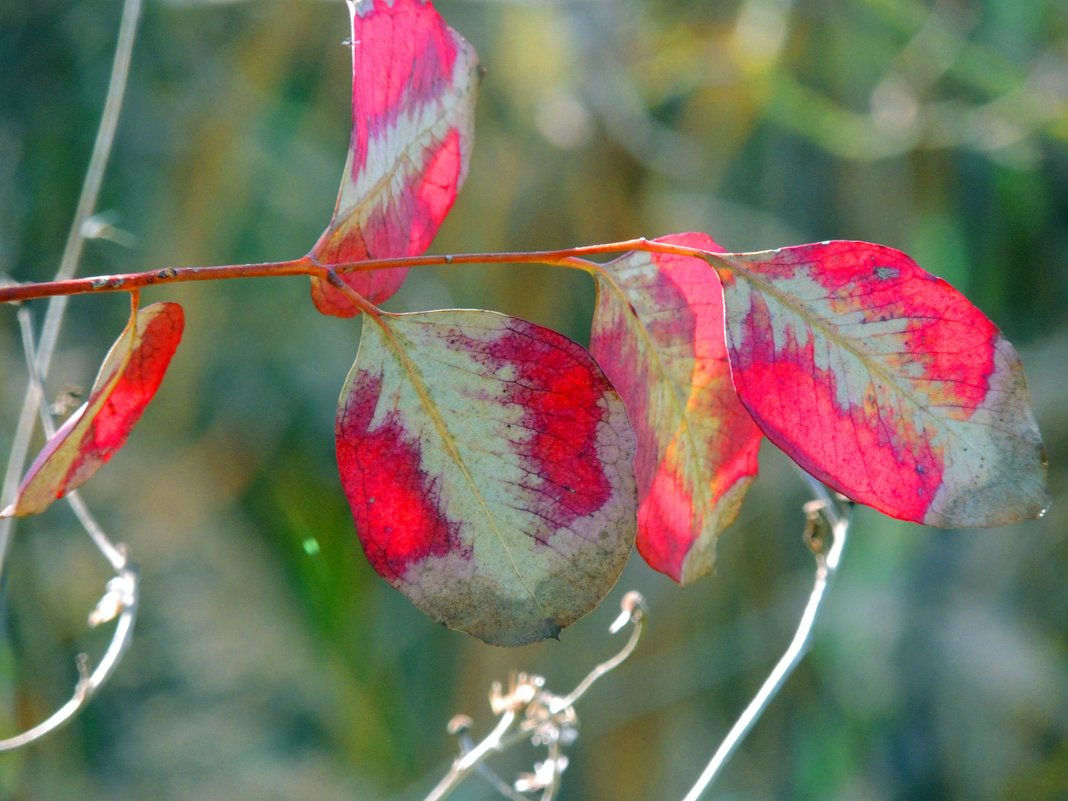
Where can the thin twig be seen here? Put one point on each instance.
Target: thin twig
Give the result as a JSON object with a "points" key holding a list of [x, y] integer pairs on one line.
{"points": [[632, 611], [105, 137], [94, 175], [486, 772], [468, 761], [826, 567], [115, 554]]}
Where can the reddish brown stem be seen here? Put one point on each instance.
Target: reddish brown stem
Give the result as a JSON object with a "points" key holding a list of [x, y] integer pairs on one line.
{"points": [[361, 303], [127, 282], [306, 265]]}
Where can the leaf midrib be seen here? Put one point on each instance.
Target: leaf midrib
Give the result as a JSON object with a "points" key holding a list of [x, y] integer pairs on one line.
{"points": [[364, 206], [869, 359]]}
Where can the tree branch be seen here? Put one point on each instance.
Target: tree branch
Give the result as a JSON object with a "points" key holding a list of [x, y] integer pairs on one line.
{"points": [[570, 258]]}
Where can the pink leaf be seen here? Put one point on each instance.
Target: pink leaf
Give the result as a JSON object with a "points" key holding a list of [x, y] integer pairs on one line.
{"points": [[658, 335], [413, 98], [487, 462], [884, 382], [127, 381]]}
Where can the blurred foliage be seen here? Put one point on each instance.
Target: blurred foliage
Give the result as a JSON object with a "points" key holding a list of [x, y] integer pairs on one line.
{"points": [[270, 663]]}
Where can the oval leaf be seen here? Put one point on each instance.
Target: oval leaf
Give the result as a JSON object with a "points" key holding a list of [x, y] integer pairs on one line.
{"points": [[487, 461], [884, 382], [414, 81], [127, 381], [658, 335]]}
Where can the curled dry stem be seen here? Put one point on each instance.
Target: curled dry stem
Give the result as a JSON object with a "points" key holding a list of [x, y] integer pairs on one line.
{"points": [[632, 610], [120, 599], [122, 593], [826, 530], [528, 712]]}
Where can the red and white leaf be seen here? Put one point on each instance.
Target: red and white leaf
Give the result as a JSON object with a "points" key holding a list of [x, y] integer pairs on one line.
{"points": [[487, 461], [126, 383], [884, 382], [414, 81], [658, 336]]}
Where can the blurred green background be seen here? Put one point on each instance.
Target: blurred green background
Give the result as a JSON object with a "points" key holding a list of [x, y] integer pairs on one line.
{"points": [[270, 662]]}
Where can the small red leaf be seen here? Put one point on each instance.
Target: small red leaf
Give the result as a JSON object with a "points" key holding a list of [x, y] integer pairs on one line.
{"points": [[487, 461], [658, 335], [884, 382], [126, 383], [413, 97]]}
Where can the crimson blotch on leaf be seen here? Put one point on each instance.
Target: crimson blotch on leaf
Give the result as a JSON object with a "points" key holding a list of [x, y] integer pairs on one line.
{"points": [[126, 383], [488, 464], [414, 81]]}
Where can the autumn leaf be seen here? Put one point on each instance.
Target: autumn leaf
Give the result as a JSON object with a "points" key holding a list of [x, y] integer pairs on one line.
{"points": [[126, 383], [414, 81], [884, 382], [658, 336], [487, 461]]}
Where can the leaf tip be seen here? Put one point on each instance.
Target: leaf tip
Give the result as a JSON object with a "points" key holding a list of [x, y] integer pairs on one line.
{"points": [[1042, 502], [700, 562], [553, 630]]}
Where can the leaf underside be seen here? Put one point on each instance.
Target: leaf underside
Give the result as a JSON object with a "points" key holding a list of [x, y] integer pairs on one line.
{"points": [[127, 381], [658, 335], [414, 82], [884, 382], [487, 462]]}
